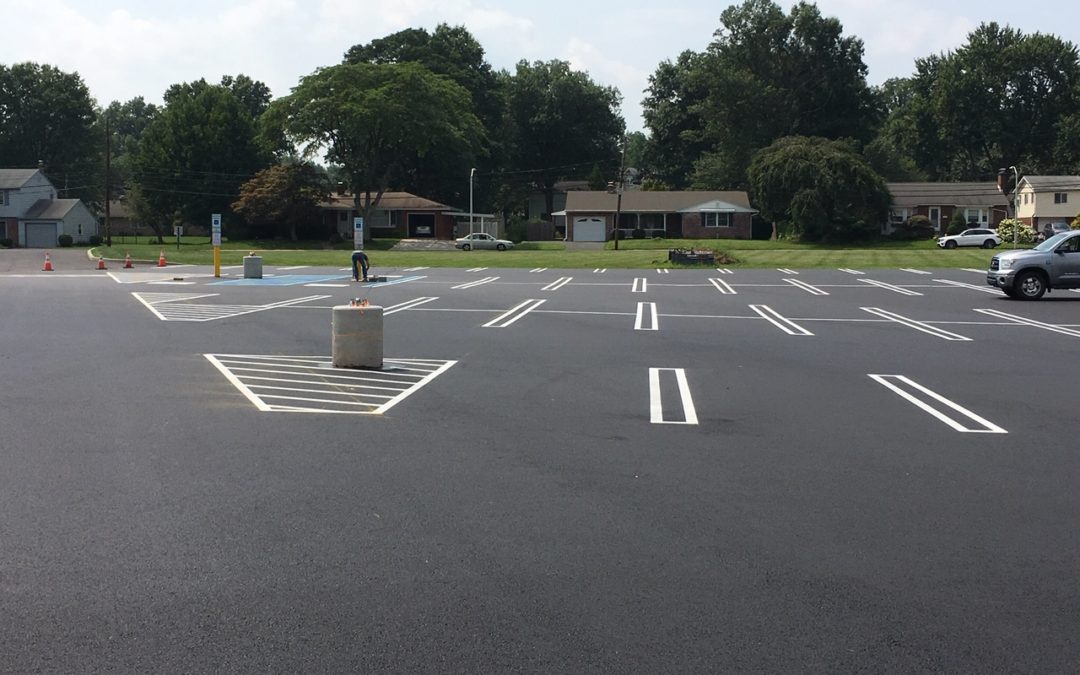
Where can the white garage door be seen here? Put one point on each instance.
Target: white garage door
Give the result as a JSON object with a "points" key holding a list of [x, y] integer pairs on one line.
{"points": [[40, 235], [589, 228]]}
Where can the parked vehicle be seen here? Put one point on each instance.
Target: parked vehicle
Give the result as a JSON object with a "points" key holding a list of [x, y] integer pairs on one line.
{"points": [[1028, 274], [1050, 229], [976, 236], [479, 240]]}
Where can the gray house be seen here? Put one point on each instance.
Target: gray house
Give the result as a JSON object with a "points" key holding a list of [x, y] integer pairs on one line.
{"points": [[32, 216]]}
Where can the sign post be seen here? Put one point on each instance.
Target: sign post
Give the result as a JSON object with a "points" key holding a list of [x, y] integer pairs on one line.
{"points": [[178, 230], [358, 233], [215, 234]]}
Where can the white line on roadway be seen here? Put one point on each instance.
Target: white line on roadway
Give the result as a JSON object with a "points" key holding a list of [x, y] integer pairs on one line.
{"points": [[646, 310], [640, 285], [851, 271], [401, 307], [510, 316], [961, 284], [724, 270], [476, 269], [917, 325], [812, 290], [890, 381], [557, 284], [656, 403], [908, 269], [471, 284], [889, 287], [722, 286], [599, 270], [781, 322], [1030, 322], [537, 269], [786, 270], [660, 270]]}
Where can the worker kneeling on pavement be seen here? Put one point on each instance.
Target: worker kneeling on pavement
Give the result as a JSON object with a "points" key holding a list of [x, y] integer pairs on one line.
{"points": [[359, 266]]}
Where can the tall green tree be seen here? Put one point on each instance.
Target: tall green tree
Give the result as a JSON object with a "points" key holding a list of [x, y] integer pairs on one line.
{"points": [[47, 118], [672, 114], [561, 123], [453, 52], [822, 188], [284, 198], [375, 120], [765, 75], [1003, 98], [194, 155]]}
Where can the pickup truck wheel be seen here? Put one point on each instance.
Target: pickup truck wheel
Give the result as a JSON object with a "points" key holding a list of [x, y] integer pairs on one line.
{"points": [[1030, 285]]}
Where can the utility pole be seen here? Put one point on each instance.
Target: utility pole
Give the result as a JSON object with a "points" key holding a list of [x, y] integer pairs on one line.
{"points": [[618, 192], [108, 170]]}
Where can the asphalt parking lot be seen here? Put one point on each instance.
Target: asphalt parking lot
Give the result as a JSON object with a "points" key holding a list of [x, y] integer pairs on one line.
{"points": [[558, 471]]}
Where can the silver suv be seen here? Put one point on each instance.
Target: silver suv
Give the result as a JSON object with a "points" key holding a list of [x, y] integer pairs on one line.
{"points": [[1028, 274]]}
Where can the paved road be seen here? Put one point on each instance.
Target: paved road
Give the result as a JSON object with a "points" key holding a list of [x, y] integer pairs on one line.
{"points": [[618, 471]]}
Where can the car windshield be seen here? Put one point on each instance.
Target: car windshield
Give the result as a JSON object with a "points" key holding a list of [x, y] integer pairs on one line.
{"points": [[1051, 243]]}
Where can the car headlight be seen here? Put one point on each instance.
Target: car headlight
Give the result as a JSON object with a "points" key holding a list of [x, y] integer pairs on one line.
{"points": [[1006, 264]]}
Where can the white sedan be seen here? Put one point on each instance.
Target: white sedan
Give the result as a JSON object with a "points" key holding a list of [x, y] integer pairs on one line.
{"points": [[976, 236], [480, 240]]}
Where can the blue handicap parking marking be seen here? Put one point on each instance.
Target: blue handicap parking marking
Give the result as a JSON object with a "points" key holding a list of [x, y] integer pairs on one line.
{"points": [[282, 280]]}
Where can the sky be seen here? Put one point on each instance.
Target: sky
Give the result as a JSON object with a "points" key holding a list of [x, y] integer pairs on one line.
{"points": [[123, 50]]}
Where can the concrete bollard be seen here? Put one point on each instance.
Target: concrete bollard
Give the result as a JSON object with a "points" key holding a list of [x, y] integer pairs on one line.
{"points": [[253, 267], [357, 337]]}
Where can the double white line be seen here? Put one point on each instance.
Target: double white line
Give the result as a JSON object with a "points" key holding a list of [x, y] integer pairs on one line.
{"points": [[557, 284], [897, 383], [401, 307], [512, 315], [472, 284], [917, 325]]}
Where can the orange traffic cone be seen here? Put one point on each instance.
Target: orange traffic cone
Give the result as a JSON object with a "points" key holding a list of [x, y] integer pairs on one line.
{"points": [[127, 261], [48, 264], [101, 264], [161, 259]]}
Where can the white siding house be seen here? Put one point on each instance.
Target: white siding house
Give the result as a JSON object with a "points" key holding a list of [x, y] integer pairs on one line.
{"points": [[1048, 199], [32, 216]]}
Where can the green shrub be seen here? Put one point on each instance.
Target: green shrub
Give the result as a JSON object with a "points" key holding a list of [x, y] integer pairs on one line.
{"points": [[957, 224], [96, 240], [1024, 234], [638, 233], [65, 240], [517, 231], [6, 243]]}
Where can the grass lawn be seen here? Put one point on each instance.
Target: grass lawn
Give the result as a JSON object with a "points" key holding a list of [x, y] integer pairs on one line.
{"points": [[632, 254]]}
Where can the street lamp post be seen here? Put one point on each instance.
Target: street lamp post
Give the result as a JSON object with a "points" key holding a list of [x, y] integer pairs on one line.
{"points": [[472, 174], [1015, 199]]}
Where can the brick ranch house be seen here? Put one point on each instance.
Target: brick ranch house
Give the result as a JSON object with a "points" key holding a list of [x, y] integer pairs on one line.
{"points": [[685, 214]]}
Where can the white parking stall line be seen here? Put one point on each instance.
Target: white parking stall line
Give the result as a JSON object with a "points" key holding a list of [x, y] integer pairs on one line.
{"points": [[908, 269], [917, 325], [786, 270], [722, 286], [473, 284], [656, 401], [812, 290], [401, 307], [781, 322], [724, 270], [514, 314], [851, 271], [894, 382], [640, 285], [557, 284], [889, 287], [646, 318], [326, 285], [972, 269], [476, 269], [660, 270], [177, 308], [1053, 328], [414, 269], [537, 270], [600, 270], [294, 267], [172, 283], [961, 284]]}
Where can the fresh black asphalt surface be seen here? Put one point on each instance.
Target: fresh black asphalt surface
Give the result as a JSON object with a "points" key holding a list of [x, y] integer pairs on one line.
{"points": [[525, 511]]}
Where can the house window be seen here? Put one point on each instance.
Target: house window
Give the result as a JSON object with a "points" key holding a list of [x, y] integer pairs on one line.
{"points": [[1061, 197], [976, 216], [898, 216], [714, 219], [3, 198]]}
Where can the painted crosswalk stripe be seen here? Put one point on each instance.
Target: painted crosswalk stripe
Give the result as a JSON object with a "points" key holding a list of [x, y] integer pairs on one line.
{"points": [[640, 285], [786, 270], [722, 286], [889, 287], [812, 290], [851, 271], [401, 307], [474, 284], [1053, 328], [646, 318], [961, 284], [781, 322], [917, 325], [903, 386], [656, 400], [557, 284], [514, 314]]}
